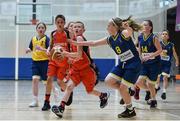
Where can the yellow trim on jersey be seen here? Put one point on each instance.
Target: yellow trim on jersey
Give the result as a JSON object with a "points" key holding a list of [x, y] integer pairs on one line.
{"points": [[115, 76], [38, 55], [124, 37], [165, 74], [127, 83], [145, 38], [115, 37]]}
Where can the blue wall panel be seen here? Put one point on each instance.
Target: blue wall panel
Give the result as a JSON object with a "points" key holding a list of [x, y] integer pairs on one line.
{"points": [[7, 66]]}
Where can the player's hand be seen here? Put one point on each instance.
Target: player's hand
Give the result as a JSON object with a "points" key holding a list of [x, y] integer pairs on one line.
{"points": [[144, 59], [177, 63], [28, 50], [48, 53], [39, 48], [73, 42]]}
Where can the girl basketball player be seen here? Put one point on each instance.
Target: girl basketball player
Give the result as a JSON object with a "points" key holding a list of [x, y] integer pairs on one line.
{"points": [[150, 49], [55, 68], [80, 71], [125, 74], [38, 47], [166, 57]]}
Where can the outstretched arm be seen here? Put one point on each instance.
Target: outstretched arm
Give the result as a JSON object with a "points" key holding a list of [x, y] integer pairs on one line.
{"points": [[77, 54], [99, 42], [176, 57]]}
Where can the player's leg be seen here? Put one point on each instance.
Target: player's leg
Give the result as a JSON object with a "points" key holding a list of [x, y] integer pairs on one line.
{"points": [[58, 110], [89, 84], [129, 79], [35, 89], [35, 84], [52, 70]]}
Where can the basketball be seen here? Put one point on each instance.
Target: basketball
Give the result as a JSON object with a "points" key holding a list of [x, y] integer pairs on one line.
{"points": [[56, 53]]}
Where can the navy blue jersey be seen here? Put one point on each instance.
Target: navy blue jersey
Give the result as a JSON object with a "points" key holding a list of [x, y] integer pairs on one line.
{"points": [[167, 52], [147, 47], [125, 49]]}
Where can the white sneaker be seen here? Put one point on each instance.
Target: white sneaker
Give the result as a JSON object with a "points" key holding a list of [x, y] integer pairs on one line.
{"points": [[34, 103], [56, 94]]}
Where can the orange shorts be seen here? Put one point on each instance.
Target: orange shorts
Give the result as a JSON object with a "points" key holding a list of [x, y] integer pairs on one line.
{"points": [[87, 76], [57, 71]]}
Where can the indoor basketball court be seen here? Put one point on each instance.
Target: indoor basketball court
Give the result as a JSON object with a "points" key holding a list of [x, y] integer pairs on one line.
{"points": [[96, 96]]}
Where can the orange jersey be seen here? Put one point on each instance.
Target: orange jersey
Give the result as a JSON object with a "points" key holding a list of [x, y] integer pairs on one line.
{"points": [[83, 62], [60, 39]]}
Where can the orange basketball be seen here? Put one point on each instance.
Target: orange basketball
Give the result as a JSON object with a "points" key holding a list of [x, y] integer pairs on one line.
{"points": [[56, 53]]}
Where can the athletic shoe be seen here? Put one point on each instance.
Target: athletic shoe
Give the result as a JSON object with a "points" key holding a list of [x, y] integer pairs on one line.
{"points": [[131, 92], [127, 113], [157, 89], [153, 104], [163, 96], [121, 102], [147, 97], [46, 106], [136, 95], [104, 100], [58, 110], [70, 99], [34, 103]]}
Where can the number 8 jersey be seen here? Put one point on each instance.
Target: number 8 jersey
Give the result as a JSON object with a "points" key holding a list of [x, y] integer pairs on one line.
{"points": [[125, 49]]}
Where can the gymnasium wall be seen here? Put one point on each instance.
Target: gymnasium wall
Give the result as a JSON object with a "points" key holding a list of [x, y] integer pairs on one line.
{"points": [[94, 13]]}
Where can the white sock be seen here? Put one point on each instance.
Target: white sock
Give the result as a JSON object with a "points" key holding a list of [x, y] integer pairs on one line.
{"points": [[164, 90], [129, 106], [156, 86], [35, 98]]}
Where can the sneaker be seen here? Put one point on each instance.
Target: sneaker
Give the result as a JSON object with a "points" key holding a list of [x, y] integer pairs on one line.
{"points": [[46, 106], [34, 103], [131, 92], [136, 95], [153, 104], [163, 96], [147, 97], [58, 110], [104, 100], [127, 113], [157, 89], [122, 102], [70, 99]]}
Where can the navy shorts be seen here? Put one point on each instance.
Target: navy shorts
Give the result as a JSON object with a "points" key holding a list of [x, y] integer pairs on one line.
{"points": [[151, 71], [127, 76], [39, 68], [165, 69]]}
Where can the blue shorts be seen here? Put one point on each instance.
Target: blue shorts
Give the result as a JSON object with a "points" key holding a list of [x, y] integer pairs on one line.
{"points": [[165, 69], [151, 71], [125, 75], [39, 68]]}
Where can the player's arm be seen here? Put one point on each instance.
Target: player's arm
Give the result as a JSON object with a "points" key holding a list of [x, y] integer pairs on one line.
{"points": [[99, 42], [30, 48], [46, 45], [175, 56], [77, 54], [128, 31], [158, 50], [158, 47]]}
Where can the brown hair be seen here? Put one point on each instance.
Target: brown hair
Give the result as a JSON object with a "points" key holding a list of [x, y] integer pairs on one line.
{"points": [[80, 23], [42, 24], [118, 22], [150, 23]]}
